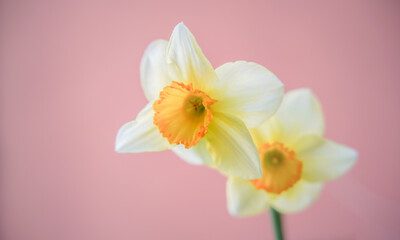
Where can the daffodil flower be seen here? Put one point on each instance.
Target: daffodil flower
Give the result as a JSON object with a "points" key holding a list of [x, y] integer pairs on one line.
{"points": [[200, 113], [295, 158]]}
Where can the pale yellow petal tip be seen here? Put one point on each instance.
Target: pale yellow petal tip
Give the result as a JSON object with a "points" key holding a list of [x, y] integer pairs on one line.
{"points": [[304, 92], [153, 44], [353, 157], [180, 24], [237, 212], [180, 27], [117, 147], [307, 93], [123, 141], [156, 42], [243, 199], [120, 139]]}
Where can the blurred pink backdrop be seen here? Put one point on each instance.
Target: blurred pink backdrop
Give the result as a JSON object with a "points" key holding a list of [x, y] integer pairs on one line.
{"points": [[69, 78]]}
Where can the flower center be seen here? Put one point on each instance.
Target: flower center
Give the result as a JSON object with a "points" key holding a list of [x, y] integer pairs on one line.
{"points": [[182, 114], [194, 106], [281, 168]]}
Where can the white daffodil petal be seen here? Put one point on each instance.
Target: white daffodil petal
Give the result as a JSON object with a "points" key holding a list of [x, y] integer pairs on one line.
{"points": [[250, 92], [297, 198], [243, 199], [300, 114], [140, 135], [186, 61], [197, 155], [153, 69], [322, 159], [232, 148]]}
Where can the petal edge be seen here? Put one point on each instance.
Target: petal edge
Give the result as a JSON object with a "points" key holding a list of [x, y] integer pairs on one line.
{"points": [[140, 135], [232, 148], [300, 114], [196, 155], [186, 61], [297, 198], [324, 160], [250, 92], [243, 199], [153, 69]]}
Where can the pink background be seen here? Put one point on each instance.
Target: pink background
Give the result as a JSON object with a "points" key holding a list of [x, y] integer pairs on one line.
{"points": [[69, 78]]}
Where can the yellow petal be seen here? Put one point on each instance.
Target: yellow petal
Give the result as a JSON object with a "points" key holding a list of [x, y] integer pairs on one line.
{"points": [[153, 69], [186, 61], [268, 131], [249, 91], [197, 155], [322, 159], [243, 199], [232, 148], [300, 114], [140, 135], [297, 198]]}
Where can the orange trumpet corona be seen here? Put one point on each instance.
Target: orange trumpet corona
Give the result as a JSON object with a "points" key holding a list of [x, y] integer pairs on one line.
{"points": [[281, 168], [182, 114]]}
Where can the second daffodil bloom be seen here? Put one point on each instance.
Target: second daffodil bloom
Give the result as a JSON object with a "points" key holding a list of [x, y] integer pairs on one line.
{"points": [[295, 158], [200, 113]]}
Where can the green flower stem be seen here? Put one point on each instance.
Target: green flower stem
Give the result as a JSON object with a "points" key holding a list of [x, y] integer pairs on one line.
{"points": [[276, 219]]}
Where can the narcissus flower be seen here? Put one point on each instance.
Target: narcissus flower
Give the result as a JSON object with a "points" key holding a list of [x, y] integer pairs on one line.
{"points": [[295, 158], [200, 113]]}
